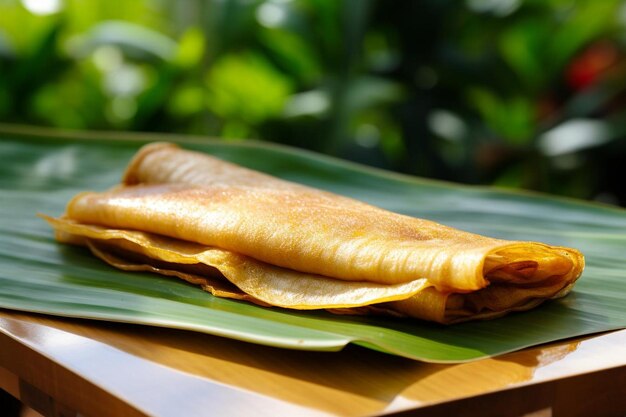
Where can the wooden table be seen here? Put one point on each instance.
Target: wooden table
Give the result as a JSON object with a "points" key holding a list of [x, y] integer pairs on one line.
{"points": [[62, 367]]}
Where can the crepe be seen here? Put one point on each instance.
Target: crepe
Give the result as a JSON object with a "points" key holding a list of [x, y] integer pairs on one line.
{"points": [[243, 234]]}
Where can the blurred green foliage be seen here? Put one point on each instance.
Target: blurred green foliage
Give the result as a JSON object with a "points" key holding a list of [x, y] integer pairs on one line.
{"points": [[526, 94]]}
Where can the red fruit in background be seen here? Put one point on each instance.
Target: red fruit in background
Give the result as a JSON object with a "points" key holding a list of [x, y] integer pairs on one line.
{"points": [[591, 65]]}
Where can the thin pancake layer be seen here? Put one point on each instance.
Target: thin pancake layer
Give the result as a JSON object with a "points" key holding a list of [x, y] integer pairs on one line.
{"points": [[263, 282], [216, 270], [194, 197], [192, 216]]}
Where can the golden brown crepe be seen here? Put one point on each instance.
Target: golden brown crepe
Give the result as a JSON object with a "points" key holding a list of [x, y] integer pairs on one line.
{"points": [[243, 234]]}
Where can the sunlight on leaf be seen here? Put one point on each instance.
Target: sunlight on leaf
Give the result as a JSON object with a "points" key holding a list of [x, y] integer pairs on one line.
{"points": [[573, 136]]}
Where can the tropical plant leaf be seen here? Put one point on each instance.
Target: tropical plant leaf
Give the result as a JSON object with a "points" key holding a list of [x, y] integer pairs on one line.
{"points": [[41, 171]]}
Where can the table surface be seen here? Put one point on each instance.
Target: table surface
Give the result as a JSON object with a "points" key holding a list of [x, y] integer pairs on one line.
{"points": [[67, 366]]}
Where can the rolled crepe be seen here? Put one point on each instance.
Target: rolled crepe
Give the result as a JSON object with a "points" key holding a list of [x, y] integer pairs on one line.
{"points": [[278, 243]]}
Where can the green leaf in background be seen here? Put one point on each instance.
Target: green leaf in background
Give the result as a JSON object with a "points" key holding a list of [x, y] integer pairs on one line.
{"points": [[511, 118], [245, 89], [42, 170]]}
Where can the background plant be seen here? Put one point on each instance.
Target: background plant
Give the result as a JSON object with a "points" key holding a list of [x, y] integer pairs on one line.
{"points": [[515, 93]]}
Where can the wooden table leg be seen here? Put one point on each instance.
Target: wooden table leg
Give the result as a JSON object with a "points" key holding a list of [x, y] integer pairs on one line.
{"points": [[18, 392]]}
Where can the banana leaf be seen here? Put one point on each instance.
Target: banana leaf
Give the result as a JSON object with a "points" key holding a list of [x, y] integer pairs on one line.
{"points": [[41, 170]]}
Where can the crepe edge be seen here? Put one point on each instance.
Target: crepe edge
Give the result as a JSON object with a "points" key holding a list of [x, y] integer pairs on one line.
{"points": [[130, 176]]}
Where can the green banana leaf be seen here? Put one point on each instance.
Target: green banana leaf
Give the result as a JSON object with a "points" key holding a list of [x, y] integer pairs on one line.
{"points": [[41, 170]]}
